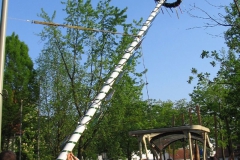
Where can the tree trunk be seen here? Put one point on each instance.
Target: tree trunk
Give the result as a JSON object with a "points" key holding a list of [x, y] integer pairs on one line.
{"points": [[79, 154], [216, 135], [230, 145]]}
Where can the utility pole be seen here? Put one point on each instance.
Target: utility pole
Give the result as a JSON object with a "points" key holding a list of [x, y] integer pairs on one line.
{"points": [[39, 102], [20, 143], [38, 142], [2, 56]]}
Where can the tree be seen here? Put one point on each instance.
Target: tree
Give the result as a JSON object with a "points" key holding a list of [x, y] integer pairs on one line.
{"points": [[124, 113], [231, 21], [232, 34], [20, 83], [220, 20], [218, 97], [74, 65]]}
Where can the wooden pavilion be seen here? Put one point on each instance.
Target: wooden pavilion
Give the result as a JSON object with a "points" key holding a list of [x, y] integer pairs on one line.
{"points": [[159, 139]]}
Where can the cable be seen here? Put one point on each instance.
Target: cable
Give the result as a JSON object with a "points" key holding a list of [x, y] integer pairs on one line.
{"points": [[25, 20], [145, 74]]}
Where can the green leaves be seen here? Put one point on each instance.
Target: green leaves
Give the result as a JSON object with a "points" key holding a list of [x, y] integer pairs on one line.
{"points": [[194, 71], [213, 63], [20, 81], [204, 54], [190, 79], [232, 34], [74, 65], [218, 97]]}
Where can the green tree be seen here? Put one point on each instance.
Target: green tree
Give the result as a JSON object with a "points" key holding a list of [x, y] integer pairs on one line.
{"points": [[74, 65], [232, 34], [218, 97], [124, 113], [20, 83]]}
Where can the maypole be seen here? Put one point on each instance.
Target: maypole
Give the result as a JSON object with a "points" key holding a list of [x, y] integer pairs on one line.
{"points": [[95, 105]]}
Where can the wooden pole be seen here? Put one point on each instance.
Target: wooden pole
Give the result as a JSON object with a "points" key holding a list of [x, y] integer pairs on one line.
{"points": [[173, 120], [216, 135], [190, 145], [199, 115], [197, 156], [183, 119], [190, 116], [173, 124]]}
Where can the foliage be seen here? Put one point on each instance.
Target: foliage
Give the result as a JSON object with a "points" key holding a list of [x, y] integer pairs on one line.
{"points": [[21, 85], [73, 67], [232, 34], [218, 98], [30, 136]]}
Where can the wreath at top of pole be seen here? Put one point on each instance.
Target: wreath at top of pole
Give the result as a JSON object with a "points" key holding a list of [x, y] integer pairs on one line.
{"points": [[170, 5]]}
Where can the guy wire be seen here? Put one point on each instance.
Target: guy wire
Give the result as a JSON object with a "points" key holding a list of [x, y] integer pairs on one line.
{"points": [[145, 74], [18, 19]]}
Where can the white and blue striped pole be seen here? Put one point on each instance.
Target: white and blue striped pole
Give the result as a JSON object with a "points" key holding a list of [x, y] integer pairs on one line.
{"points": [[95, 105]]}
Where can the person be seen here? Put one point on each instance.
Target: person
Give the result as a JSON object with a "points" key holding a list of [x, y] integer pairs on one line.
{"points": [[7, 155], [70, 156]]}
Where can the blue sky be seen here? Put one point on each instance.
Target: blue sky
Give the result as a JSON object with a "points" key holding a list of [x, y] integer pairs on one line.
{"points": [[170, 48]]}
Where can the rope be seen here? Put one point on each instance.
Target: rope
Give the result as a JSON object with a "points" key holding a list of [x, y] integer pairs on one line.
{"points": [[177, 13], [168, 13], [25, 20], [145, 74]]}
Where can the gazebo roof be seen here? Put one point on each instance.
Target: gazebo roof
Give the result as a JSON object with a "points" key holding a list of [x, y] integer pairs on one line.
{"points": [[163, 137]]}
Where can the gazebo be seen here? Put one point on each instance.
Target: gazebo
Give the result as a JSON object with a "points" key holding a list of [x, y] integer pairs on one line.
{"points": [[159, 139]]}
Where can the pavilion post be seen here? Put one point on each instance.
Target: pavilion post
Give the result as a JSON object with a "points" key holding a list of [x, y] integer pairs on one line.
{"points": [[145, 146], [204, 146], [140, 147], [190, 145]]}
